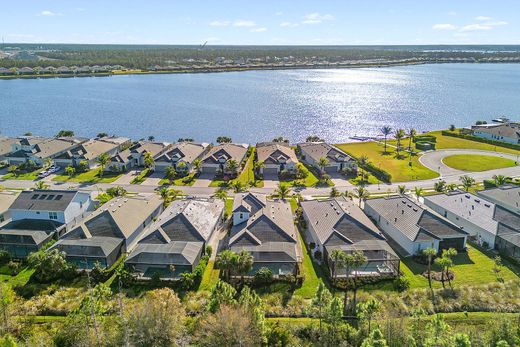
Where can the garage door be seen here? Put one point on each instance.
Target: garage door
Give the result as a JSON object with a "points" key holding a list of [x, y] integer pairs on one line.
{"points": [[269, 171], [457, 243], [331, 169]]}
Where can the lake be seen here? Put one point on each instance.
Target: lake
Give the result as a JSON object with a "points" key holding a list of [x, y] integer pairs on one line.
{"points": [[256, 106]]}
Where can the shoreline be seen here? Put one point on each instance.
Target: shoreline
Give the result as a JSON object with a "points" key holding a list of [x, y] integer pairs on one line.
{"points": [[245, 68]]}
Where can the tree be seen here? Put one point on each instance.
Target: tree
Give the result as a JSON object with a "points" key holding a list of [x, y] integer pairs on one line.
{"points": [[224, 139], [320, 302], [70, 171], [429, 253], [282, 191], [103, 160], [467, 182], [401, 189], [399, 136], [232, 166], [149, 161], [361, 193], [334, 192], [386, 130], [440, 186], [376, 339], [170, 174], [243, 264], [231, 325], [225, 261], [368, 310], [41, 185], [500, 180], [151, 322], [322, 164], [65, 133]]}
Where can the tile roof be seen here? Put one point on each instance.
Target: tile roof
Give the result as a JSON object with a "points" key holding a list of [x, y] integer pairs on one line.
{"points": [[414, 221], [44, 200]]}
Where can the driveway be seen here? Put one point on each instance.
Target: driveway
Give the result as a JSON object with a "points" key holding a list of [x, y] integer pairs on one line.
{"points": [[154, 179], [127, 177], [203, 180], [434, 161], [271, 181]]}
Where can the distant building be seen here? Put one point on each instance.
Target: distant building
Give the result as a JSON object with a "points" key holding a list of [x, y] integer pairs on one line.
{"points": [[491, 225], [338, 161], [176, 241], [110, 231], [508, 132], [265, 229], [414, 227], [340, 224], [38, 216]]}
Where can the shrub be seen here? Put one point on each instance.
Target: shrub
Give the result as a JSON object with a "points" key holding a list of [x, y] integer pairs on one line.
{"points": [[401, 284], [263, 276]]}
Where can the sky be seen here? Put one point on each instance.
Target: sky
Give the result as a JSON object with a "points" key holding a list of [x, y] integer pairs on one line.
{"points": [[267, 22]]}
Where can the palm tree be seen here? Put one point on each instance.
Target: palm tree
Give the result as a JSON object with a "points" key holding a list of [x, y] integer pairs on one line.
{"points": [[283, 191], [467, 182], [232, 166], [225, 261], [401, 189], [170, 174], [243, 264], [103, 161], [41, 185], [500, 180], [322, 164], [399, 135], [386, 130], [418, 192], [429, 253], [361, 193], [440, 186]]}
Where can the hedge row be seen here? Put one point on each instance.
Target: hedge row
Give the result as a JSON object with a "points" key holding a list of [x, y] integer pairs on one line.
{"points": [[483, 140], [380, 174]]}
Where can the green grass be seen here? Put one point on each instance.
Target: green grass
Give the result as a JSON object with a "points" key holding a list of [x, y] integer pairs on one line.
{"points": [[179, 181], [471, 268], [477, 162], [210, 277], [29, 176], [399, 168], [91, 176]]}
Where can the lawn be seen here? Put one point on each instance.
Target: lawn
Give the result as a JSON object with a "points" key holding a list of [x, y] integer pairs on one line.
{"points": [[471, 268], [179, 181], [477, 162], [29, 176], [210, 277], [91, 176], [400, 170]]}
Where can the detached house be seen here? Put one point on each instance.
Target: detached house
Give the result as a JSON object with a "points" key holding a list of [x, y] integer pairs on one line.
{"points": [[340, 224], [175, 242], [265, 228], [491, 225], [338, 161], [110, 231], [414, 227], [277, 157], [217, 157], [38, 216], [181, 156]]}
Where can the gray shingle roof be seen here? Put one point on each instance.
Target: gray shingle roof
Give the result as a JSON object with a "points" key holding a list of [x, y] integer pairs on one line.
{"points": [[177, 253], [44, 200], [414, 221]]}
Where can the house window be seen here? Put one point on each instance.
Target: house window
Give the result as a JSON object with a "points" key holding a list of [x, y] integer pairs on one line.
{"points": [[53, 215]]}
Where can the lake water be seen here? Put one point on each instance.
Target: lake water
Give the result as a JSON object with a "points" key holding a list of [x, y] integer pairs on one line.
{"points": [[259, 105]]}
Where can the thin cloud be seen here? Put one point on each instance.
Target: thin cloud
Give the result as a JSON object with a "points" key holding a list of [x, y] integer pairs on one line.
{"points": [[244, 23], [47, 13], [289, 24], [220, 23], [259, 30], [444, 26], [316, 18]]}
